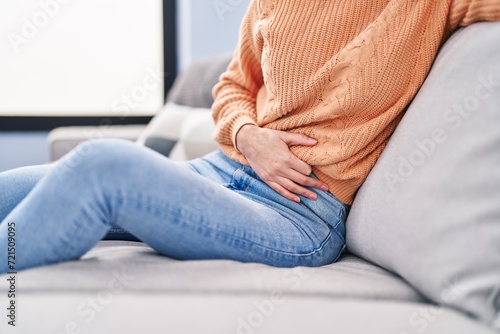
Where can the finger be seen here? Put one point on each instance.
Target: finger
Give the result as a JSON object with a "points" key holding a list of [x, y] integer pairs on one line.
{"points": [[283, 192], [300, 189], [298, 165], [292, 184], [307, 181], [297, 189], [292, 139], [305, 170]]}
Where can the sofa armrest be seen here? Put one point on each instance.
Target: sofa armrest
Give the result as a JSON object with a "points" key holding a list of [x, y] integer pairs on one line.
{"points": [[64, 139]]}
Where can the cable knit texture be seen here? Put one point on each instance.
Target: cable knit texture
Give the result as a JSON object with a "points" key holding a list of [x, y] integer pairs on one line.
{"points": [[340, 71]]}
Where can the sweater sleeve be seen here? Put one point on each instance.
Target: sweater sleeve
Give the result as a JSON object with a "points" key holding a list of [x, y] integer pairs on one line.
{"points": [[465, 12], [236, 92]]}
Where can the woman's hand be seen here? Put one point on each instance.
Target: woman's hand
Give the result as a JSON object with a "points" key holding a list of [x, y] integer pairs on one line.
{"points": [[268, 153]]}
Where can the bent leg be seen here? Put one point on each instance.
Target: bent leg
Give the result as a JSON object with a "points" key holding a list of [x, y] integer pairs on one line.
{"points": [[16, 184], [166, 204]]}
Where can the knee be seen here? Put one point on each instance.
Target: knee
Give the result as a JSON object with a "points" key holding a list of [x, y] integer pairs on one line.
{"points": [[97, 156]]}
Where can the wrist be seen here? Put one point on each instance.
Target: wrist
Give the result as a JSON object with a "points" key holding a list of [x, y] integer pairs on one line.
{"points": [[243, 134]]}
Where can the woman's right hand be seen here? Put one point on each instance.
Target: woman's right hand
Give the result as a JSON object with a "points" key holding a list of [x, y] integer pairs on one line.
{"points": [[268, 153]]}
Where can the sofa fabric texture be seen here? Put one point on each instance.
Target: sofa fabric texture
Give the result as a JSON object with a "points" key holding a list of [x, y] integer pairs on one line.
{"points": [[126, 287], [430, 209], [350, 278]]}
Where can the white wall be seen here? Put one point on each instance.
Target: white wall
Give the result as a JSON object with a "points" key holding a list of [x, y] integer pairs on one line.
{"points": [[208, 27]]}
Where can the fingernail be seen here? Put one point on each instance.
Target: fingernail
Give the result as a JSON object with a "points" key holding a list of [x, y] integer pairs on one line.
{"points": [[296, 199], [324, 188], [313, 197]]}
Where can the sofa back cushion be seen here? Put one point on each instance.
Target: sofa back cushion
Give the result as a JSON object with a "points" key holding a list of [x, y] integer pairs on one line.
{"points": [[179, 132], [430, 209], [193, 87], [182, 129]]}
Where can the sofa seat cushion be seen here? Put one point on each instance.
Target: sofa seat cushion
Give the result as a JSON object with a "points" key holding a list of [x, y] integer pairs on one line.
{"points": [[145, 271], [128, 313]]}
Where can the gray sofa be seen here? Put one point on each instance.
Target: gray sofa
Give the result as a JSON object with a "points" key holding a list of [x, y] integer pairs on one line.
{"points": [[423, 234]]}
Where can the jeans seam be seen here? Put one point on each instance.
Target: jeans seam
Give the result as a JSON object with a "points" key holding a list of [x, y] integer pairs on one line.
{"points": [[337, 232]]}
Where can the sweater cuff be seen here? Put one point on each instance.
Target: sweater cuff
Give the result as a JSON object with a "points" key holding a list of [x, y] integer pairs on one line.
{"points": [[237, 124]]}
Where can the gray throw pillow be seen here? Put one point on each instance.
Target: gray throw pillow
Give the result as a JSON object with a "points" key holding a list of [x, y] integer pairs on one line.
{"points": [[430, 209], [193, 87]]}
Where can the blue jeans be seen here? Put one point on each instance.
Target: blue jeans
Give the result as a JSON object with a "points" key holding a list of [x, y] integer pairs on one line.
{"points": [[208, 208]]}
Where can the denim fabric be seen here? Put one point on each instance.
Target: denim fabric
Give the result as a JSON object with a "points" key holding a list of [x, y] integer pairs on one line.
{"points": [[207, 208]]}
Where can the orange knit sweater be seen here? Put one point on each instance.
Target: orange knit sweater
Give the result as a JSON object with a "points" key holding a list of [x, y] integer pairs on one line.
{"points": [[342, 72]]}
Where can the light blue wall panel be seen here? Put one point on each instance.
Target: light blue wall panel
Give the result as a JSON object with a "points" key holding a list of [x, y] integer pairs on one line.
{"points": [[208, 27], [19, 149]]}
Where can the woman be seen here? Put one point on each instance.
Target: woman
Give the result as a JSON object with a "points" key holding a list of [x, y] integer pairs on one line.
{"points": [[313, 93]]}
